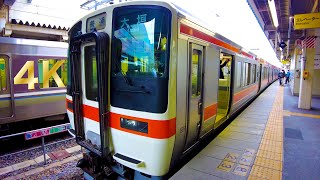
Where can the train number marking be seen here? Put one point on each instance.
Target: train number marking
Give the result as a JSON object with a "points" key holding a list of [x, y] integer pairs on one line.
{"points": [[52, 72], [30, 80], [47, 73], [225, 166], [232, 157], [241, 170], [246, 160], [249, 152]]}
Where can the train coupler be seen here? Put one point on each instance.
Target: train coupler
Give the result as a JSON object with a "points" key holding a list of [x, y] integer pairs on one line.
{"points": [[94, 167]]}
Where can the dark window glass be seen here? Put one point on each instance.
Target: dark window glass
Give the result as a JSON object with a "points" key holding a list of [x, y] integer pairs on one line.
{"points": [[91, 72], [140, 63], [144, 33]]}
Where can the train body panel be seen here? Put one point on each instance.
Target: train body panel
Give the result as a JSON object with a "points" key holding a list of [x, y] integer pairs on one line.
{"points": [[165, 90], [31, 69]]}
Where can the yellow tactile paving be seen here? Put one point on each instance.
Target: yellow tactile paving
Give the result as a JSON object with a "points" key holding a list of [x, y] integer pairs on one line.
{"points": [[269, 155], [265, 173], [268, 162], [271, 148]]}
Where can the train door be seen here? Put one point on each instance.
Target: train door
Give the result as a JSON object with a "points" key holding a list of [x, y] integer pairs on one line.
{"points": [[224, 89], [6, 96], [195, 85], [90, 91]]}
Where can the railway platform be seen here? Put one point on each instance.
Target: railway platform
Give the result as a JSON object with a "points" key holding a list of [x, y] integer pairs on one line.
{"points": [[270, 139]]}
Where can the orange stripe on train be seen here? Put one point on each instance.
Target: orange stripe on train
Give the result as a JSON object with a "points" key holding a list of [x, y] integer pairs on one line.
{"points": [[210, 111], [240, 95], [159, 129]]}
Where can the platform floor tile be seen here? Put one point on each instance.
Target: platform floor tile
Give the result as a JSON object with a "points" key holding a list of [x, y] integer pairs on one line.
{"points": [[248, 120], [241, 136], [234, 144], [247, 130], [253, 116], [187, 173], [219, 152], [220, 168], [260, 126]]}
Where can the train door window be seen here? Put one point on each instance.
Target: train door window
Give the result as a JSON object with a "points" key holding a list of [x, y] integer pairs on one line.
{"points": [[238, 80], [3, 73], [195, 74], [224, 87], [91, 81], [52, 73]]}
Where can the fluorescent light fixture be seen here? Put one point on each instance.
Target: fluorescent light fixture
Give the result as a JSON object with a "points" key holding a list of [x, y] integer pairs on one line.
{"points": [[273, 10]]}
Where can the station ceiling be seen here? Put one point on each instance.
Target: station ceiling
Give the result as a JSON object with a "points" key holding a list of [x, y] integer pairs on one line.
{"points": [[285, 9]]}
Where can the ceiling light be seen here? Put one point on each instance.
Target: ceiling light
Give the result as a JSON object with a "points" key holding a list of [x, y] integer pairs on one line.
{"points": [[273, 10]]}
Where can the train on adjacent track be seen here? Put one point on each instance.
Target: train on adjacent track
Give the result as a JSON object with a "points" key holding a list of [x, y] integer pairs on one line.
{"points": [[33, 76], [148, 83]]}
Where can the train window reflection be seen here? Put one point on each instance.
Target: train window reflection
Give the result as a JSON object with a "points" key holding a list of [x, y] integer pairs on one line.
{"points": [[3, 74], [239, 74], [144, 33], [52, 73]]}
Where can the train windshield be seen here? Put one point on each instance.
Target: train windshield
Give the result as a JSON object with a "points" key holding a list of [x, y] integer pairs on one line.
{"points": [[143, 55], [144, 35]]}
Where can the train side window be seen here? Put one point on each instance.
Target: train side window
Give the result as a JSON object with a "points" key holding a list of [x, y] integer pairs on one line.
{"points": [[3, 73], [254, 73], [249, 73], [245, 74], [239, 73], [52, 73]]}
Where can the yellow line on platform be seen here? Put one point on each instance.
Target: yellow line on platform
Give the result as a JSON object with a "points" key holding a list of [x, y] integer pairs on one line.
{"points": [[288, 113], [269, 160]]}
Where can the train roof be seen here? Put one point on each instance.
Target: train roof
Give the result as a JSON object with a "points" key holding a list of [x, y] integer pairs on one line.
{"points": [[183, 13], [32, 42]]}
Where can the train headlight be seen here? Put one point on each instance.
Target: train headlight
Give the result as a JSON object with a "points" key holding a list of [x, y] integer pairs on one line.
{"points": [[134, 125]]}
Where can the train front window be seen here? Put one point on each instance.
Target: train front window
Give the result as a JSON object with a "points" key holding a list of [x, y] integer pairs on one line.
{"points": [[140, 59], [144, 35]]}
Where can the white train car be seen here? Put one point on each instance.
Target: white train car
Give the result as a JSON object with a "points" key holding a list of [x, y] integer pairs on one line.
{"points": [[148, 83]]}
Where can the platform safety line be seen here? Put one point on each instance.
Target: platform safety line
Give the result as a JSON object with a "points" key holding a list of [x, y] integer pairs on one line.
{"points": [[269, 160], [289, 113]]}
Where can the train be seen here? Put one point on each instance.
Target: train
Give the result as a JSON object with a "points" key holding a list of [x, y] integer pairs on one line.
{"points": [[146, 87], [33, 79]]}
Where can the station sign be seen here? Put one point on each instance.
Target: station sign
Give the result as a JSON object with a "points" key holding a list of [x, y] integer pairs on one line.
{"points": [[46, 131], [306, 21]]}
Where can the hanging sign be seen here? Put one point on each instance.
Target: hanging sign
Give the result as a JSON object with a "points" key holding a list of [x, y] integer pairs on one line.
{"points": [[306, 21]]}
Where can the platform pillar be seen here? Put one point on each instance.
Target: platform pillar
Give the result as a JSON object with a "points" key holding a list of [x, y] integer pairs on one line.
{"points": [[307, 66]]}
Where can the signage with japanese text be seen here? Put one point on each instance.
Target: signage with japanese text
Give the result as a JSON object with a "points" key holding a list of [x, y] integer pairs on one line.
{"points": [[46, 131], [306, 21]]}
